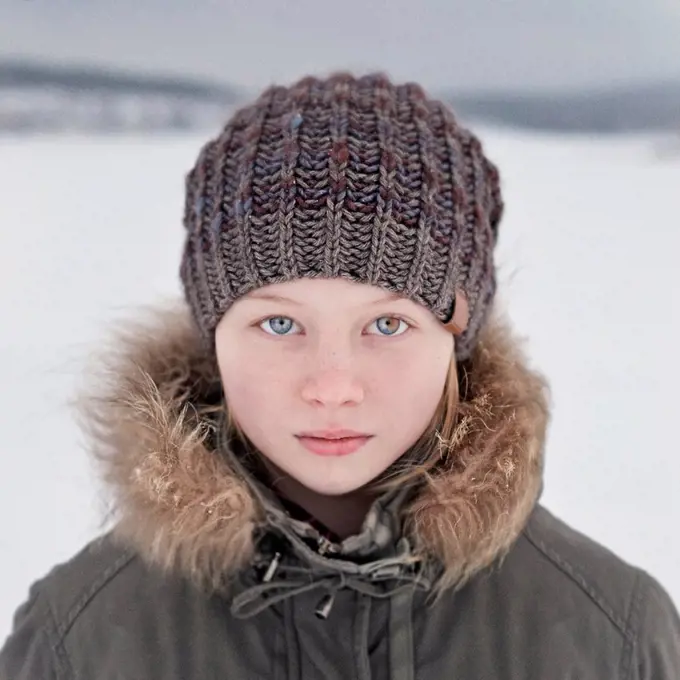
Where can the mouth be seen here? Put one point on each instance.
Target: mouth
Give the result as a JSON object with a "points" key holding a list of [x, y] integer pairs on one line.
{"points": [[333, 434], [333, 443]]}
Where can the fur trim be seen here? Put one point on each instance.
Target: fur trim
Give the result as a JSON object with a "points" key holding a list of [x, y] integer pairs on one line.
{"points": [[473, 508], [150, 418]]}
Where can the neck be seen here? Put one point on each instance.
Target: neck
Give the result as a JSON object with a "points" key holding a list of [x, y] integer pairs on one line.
{"points": [[343, 514]]}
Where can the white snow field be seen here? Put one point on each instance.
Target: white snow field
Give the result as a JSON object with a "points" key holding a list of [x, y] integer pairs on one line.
{"points": [[588, 263]]}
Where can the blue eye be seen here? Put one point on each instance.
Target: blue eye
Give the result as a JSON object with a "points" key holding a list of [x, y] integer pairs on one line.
{"points": [[393, 326], [279, 325]]}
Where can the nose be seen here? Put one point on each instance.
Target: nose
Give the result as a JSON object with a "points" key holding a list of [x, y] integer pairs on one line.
{"points": [[333, 387]]}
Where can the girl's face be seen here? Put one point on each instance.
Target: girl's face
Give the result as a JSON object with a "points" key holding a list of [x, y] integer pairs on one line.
{"points": [[323, 355]]}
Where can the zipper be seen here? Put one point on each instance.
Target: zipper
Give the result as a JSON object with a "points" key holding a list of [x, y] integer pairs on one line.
{"points": [[326, 547], [271, 569]]}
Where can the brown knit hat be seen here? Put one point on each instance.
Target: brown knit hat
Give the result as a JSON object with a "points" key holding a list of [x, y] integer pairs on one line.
{"points": [[347, 177]]}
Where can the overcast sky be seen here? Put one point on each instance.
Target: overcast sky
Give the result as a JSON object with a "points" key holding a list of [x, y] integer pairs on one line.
{"points": [[460, 43]]}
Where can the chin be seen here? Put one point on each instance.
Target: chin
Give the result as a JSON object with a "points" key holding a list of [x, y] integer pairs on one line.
{"points": [[333, 487]]}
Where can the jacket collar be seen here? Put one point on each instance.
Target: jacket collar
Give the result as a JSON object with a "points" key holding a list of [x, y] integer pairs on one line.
{"points": [[184, 503], [378, 538]]}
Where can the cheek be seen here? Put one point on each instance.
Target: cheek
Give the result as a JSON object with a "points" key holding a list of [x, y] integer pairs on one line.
{"points": [[409, 392], [256, 392]]}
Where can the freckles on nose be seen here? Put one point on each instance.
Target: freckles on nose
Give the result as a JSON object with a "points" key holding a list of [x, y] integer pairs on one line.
{"points": [[333, 387]]}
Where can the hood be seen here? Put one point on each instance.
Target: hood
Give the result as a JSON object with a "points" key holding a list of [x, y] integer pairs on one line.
{"points": [[151, 409]]}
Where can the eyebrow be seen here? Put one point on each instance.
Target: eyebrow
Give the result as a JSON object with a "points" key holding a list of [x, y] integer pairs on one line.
{"points": [[392, 297], [270, 297]]}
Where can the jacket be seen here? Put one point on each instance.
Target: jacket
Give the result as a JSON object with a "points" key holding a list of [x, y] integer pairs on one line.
{"points": [[204, 574]]}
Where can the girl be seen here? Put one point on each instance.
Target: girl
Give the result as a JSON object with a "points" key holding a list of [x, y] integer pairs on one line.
{"points": [[328, 462]]}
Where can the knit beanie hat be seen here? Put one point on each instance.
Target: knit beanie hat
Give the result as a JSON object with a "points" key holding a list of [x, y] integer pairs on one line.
{"points": [[347, 177]]}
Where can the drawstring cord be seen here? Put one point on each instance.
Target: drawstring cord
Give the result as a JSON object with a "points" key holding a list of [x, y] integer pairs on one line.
{"points": [[380, 582], [402, 664]]}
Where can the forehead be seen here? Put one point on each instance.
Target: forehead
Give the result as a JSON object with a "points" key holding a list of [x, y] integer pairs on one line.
{"points": [[313, 291]]}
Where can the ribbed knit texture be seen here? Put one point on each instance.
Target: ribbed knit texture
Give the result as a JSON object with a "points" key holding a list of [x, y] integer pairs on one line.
{"points": [[347, 177]]}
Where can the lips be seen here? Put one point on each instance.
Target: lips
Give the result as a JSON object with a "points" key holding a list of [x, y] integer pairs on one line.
{"points": [[333, 443], [333, 434]]}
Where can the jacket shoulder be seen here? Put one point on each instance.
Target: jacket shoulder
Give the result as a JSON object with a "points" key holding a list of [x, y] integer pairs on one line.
{"points": [[71, 586], [35, 646], [604, 577], [633, 601]]}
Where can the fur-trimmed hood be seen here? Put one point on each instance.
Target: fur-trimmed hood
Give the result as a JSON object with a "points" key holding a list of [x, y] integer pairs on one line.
{"points": [[184, 503]]}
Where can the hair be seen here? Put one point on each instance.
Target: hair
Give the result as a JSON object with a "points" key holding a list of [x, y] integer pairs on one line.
{"points": [[417, 462]]}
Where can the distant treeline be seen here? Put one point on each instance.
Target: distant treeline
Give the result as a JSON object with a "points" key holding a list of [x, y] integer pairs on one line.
{"points": [[650, 106], [18, 75], [36, 97]]}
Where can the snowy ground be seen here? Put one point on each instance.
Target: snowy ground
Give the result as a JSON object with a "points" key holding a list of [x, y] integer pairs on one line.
{"points": [[588, 266]]}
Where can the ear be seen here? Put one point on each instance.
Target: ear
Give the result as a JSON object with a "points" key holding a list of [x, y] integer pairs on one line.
{"points": [[460, 316]]}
